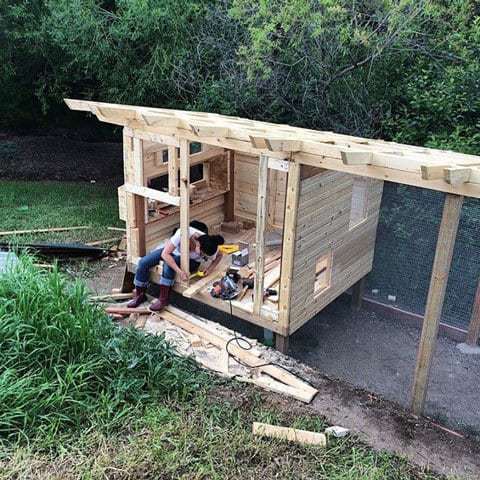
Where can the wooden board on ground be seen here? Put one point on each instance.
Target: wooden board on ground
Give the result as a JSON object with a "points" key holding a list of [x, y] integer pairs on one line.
{"points": [[42, 230], [290, 434], [279, 379]]}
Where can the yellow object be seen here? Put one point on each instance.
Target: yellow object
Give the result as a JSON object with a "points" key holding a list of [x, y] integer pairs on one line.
{"points": [[197, 274], [227, 249]]}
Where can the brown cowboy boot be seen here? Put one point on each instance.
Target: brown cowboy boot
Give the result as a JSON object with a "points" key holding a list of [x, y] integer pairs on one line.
{"points": [[138, 298], [163, 299]]}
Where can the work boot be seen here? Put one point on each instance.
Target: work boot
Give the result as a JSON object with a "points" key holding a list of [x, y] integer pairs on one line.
{"points": [[138, 298], [163, 299]]}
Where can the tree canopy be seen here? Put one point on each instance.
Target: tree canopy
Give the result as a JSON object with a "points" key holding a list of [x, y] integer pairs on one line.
{"points": [[402, 69]]}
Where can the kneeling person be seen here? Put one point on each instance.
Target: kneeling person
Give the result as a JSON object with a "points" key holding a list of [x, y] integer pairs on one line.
{"points": [[202, 248]]}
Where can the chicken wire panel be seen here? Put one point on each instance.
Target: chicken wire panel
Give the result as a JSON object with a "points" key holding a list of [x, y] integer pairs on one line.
{"points": [[405, 249]]}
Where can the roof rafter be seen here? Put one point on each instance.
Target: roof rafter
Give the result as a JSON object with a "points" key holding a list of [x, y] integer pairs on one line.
{"points": [[435, 169]]}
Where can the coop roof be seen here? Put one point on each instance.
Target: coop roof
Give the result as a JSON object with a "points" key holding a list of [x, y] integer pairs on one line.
{"points": [[435, 169]]}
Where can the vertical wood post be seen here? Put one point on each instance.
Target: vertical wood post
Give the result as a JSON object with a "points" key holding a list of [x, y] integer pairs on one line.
{"points": [[474, 327], [288, 248], [137, 220], [357, 294], [262, 202], [281, 343], [184, 207], [436, 295], [230, 195], [172, 171]]}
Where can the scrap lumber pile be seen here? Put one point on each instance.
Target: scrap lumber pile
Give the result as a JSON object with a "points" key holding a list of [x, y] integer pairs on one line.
{"points": [[220, 350]]}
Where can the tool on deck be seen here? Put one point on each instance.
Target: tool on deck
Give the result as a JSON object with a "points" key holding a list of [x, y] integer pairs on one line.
{"points": [[232, 285], [198, 273], [227, 249], [228, 287], [240, 257]]}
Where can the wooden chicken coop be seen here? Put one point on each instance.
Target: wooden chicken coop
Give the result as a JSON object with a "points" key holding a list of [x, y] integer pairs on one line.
{"points": [[306, 202]]}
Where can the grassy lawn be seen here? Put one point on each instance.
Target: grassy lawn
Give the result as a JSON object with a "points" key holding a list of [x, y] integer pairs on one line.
{"points": [[206, 438], [33, 205]]}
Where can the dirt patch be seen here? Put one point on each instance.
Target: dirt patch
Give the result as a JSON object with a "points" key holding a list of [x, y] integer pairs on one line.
{"points": [[59, 158], [379, 424], [381, 356]]}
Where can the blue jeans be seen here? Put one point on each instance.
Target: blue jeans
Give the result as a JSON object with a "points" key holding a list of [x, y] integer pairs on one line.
{"points": [[168, 273]]}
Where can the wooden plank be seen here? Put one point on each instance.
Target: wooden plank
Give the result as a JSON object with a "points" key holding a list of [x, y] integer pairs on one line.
{"points": [[42, 230], [474, 327], [288, 251], [456, 176], [112, 296], [202, 283], [262, 207], [184, 208], [103, 242], [389, 174], [127, 311], [303, 437], [272, 276], [436, 295], [230, 195], [357, 158], [172, 171], [139, 202], [357, 294], [153, 194], [200, 328]]}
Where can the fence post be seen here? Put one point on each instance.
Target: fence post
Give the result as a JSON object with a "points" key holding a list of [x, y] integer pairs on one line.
{"points": [[436, 295]]}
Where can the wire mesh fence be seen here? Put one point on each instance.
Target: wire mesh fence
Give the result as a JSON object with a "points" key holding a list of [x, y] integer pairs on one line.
{"points": [[405, 249]]}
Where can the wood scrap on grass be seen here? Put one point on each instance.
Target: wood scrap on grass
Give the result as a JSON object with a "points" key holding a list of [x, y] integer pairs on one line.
{"points": [[303, 437], [111, 296], [229, 353], [42, 230], [220, 349]]}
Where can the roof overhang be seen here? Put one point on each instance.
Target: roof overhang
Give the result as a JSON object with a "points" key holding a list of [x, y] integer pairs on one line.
{"points": [[446, 171]]}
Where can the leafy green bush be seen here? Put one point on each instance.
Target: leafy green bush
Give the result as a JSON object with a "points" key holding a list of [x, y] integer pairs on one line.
{"points": [[64, 364], [404, 70]]}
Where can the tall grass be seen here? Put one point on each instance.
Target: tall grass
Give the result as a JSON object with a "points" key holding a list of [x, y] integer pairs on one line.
{"points": [[65, 365]]}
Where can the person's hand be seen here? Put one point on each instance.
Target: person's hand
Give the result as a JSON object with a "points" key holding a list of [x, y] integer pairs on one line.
{"points": [[183, 276], [206, 272]]}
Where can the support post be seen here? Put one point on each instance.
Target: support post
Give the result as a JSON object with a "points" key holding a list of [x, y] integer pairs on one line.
{"points": [[230, 195], [474, 327], [281, 343], [172, 171], [288, 249], [184, 208], [357, 294], [262, 202], [436, 295], [136, 207]]}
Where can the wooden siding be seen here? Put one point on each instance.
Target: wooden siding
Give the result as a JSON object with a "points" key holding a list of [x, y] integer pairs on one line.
{"points": [[322, 228], [246, 185]]}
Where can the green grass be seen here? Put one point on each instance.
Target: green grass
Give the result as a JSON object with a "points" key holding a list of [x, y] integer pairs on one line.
{"points": [[208, 438], [65, 365], [33, 205]]}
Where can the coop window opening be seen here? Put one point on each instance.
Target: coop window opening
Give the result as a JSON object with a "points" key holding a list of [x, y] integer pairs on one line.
{"points": [[359, 203], [323, 274], [161, 182]]}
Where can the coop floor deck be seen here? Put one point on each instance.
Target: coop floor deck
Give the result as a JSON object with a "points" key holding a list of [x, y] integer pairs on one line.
{"points": [[244, 308]]}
